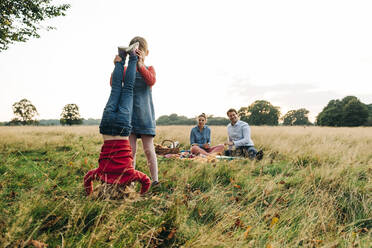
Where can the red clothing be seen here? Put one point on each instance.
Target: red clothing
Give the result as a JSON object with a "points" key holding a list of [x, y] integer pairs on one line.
{"points": [[214, 149], [148, 75], [115, 167]]}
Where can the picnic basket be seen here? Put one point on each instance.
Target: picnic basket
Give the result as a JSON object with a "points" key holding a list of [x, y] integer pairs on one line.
{"points": [[171, 149]]}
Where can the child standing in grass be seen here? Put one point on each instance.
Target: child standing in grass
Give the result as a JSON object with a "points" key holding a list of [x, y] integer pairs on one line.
{"points": [[143, 117], [115, 161]]}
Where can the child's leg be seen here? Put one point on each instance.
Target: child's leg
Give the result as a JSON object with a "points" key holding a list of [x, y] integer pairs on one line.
{"points": [[108, 118], [88, 181], [133, 144], [124, 114], [152, 162]]}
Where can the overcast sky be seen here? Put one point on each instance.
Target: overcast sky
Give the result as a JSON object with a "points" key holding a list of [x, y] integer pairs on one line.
{"points": [[208, 55]]}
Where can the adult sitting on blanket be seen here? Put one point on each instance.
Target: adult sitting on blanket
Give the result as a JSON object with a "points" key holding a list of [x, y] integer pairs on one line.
{"points": [[240, 136], [200, 139]]}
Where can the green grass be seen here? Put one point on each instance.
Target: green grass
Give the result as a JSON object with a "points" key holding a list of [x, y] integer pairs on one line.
{"points": [[196, 205]]}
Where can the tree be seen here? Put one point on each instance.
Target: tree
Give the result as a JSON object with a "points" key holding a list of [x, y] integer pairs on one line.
{"points": [[218, 121], [175, 119], [355, 113], [346, 112], [20, 19], [369, 121], [243, 113], [70, 115], [163, 120], [296, 117], [24, 112], [331, 114], [260, 112]]}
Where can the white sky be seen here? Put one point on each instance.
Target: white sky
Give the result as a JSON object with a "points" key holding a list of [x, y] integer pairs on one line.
{"points": [[208, 55]]}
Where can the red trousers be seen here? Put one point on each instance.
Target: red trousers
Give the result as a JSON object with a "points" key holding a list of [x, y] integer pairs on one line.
{"points": [[115, 167]]}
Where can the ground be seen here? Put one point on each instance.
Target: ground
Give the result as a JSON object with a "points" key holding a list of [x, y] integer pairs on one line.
{"points": [[312, 189]]}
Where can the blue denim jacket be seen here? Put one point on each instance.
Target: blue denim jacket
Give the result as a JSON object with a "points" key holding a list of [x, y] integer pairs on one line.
{"points": [[200, 138], [143, 117]]}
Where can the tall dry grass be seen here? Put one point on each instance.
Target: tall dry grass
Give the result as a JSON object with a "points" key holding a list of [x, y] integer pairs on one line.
{"points": [[349, 146], [312, 189]]}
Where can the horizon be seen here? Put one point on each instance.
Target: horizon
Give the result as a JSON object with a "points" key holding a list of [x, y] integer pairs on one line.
{"points": [[190, 117]]}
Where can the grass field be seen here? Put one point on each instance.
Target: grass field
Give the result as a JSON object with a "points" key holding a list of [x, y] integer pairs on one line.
{"points": [[312, 189]]}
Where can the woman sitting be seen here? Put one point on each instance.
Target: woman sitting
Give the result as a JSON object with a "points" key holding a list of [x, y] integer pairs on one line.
{"points": [[200, 139]]}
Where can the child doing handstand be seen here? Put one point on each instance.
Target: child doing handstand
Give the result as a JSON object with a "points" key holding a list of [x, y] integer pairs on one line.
{"points": [[115, 161], [143, 117]]}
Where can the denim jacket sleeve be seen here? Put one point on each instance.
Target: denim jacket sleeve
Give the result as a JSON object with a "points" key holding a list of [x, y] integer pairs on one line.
{"points": [[192, 137], [209, 136]]}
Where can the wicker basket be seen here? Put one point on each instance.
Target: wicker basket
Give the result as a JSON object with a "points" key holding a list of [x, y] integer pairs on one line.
{"points": [[162, 150]]}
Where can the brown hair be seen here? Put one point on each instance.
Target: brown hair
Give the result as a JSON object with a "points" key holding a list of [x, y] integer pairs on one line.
{"points": [[203, 115], [142, 43], [231, 110]]}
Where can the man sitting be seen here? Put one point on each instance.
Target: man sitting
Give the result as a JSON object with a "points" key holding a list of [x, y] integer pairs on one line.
{"points": [[239, 134]]}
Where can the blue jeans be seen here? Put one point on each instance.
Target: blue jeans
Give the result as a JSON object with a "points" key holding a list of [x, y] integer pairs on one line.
{"points": [[243, 151], [117, 115]]}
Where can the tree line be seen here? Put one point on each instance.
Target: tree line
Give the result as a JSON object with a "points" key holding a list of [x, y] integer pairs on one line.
{"points": [[175, 119], [348, 111], [25, 113]]}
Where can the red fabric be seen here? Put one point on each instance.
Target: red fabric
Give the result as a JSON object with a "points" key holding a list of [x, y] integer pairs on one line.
{"points": [[214, 149], [148, 75], [115, 167]]}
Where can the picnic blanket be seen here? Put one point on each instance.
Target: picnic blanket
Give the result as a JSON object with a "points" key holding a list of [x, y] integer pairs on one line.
{"points": [[186, 154]]}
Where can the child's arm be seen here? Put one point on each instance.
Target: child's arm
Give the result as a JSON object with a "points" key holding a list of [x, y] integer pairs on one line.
{"points": [[143, 179], [148, 74], [88, 181]]}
